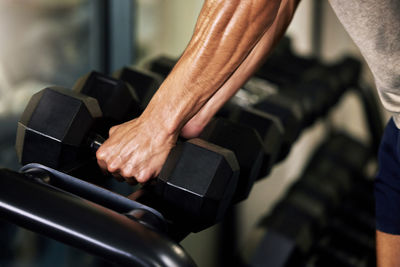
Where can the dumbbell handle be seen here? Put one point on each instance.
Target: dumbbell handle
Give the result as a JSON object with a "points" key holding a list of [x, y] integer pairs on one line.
{"points": [[95, 141]]}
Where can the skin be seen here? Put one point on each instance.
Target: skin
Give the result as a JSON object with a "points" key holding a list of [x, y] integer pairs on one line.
{"points": [[387, 249], [246, 69]]}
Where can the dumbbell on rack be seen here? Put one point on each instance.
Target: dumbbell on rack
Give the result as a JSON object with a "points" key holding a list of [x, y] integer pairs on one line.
{"points": [[321, 211], [277, 70], [247, 146], [198, 178], [118, 100], [144, 82], [162, 65], [121, 97]]}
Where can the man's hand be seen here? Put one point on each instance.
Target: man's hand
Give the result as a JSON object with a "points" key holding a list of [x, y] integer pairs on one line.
{"points": [[135, 150]]}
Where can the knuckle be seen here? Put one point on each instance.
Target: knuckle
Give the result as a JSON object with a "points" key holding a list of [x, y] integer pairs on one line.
{"points": [[112, 130], [126, 173], [143, 176], [141, 179], [126, 170], [112, 168], [100, 154]]}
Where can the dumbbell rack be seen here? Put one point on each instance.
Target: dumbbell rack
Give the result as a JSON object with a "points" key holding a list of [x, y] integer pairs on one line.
{"points": [[30, 201], [349, 238], [326, 218]]}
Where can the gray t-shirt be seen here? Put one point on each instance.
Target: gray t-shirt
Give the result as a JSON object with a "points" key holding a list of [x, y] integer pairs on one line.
{"points": [[374, 25]]}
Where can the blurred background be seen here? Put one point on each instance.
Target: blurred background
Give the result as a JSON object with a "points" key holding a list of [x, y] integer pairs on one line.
{"points": [[47, 42]]}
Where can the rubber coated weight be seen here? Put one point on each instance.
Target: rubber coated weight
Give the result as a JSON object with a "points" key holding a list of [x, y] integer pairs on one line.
{"points": [[144, 82], [118, 100], [54, 128], [289, 113], [162, 65], [269, 128], [281, 239], [346, 151], [247, 145], [199, 179], [277, 70]]}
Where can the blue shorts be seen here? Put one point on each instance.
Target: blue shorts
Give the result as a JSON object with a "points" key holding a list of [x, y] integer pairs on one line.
{"points": [[387, 182]]}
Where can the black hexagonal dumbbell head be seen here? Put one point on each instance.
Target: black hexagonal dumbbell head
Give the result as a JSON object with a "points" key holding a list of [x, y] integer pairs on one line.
{"points": [[271, 131], [54, 127], [118, 100], [162, 65], [288, 111], [247, 145], [199, 179], [144, 82]]}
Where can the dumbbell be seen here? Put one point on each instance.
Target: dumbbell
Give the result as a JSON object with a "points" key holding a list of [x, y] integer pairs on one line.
{"points": [[270, 128], [198, 178], [288, 111], [247, 145], [309, 97], [162, 65], [346, 151], [322, 86], [311, 204], [316, 194], [345, 74], [343, 154], [276, 68], [355, 193], [350, 235], [118, 100], [282, 238], [347, 245], [259, 98], [144, 82], [316, 86], [288, 234], [329, 254]]}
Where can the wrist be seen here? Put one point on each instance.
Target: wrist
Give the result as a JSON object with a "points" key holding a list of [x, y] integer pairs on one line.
{"points": [[163, 114]]}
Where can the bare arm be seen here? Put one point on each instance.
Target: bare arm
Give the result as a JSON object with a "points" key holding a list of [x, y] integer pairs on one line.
{"points": [[252, 62], [225, 34], [387, 249]]}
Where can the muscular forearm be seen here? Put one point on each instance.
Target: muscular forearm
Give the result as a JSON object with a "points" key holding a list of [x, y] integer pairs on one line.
{"points": [[246, 69], [225, 34]]}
